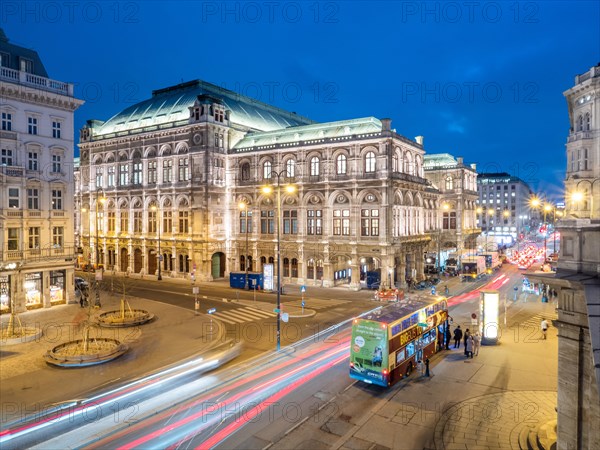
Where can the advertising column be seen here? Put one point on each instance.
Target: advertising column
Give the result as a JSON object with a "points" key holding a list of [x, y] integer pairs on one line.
{"points": [[489, 311]]}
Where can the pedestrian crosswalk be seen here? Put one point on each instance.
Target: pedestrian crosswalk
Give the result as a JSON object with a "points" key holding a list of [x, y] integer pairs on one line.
{"points": [[241, 315], [314, 303], [534, 322]]}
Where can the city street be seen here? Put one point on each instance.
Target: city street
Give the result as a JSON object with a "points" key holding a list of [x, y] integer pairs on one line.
{"points": [[315, 391]]}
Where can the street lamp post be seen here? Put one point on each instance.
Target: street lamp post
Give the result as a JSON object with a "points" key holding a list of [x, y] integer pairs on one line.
{"points": [[487, 228], [98, 200], [244, 207], [547, 209], [159, 256], [269, 190]]}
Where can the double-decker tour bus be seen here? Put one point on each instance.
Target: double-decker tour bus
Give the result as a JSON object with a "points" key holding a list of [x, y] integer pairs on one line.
{"points": [[387, 344]]}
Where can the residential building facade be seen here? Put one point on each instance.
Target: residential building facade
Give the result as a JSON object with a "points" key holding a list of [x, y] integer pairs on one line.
{"points": [[457, 184], [36, 182], [504, 210], [173, 170]]}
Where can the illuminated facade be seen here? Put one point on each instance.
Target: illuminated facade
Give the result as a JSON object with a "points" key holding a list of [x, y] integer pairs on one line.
{"points": [[36, 200], [508, 196], [457, 184], [196, 151]]}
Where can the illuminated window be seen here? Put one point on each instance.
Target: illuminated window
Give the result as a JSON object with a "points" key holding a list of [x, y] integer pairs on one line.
{"points": [[340, 165], [314, 222], [290, 168], [314, 166], [370, 162], [267, 169], [58, 236], [369, 222]]}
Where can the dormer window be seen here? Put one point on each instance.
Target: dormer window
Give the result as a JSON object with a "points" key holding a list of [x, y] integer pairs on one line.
{"points": [[26, 65]]}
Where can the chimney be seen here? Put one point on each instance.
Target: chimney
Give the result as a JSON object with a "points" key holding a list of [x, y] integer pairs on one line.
{"points": [[474, 166], [386, 124], [460, 160], [419, 140]]}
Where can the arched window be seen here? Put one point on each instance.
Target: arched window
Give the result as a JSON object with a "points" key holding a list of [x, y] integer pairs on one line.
{"points": [[245, 171], [340, 165], [395, 163], [290, 168], [370, 162], [286, 267], [580, 123], [449, 183], [267, 169], [588, 120], [314, 166]]}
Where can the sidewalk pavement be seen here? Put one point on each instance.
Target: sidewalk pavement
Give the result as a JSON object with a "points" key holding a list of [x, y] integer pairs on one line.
{"points": [[28, 385], [482, 403]]}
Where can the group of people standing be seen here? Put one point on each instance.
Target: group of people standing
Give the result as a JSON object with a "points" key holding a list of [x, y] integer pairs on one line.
{"points": [[472, 342]]}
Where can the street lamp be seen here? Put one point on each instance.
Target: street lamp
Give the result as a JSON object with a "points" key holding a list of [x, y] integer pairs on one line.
{"points": [[244, 207], [269, 190], [159, 257], [547, 209], [98, 200], [578, 196]]}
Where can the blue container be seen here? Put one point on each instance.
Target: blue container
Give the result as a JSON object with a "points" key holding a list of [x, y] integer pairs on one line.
{"points": [[238, 280], [373, 279]]}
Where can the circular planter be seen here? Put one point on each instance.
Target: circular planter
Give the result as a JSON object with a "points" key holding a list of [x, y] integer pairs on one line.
{"points": [[72, 353], [21, 335], [115, 319]]}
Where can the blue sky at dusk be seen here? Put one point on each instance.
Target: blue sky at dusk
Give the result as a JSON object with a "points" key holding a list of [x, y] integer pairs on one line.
{"points": [[482, 80]]}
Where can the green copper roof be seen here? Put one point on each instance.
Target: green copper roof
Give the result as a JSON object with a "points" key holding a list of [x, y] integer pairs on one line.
{"points": [[436, 160], [312, 132], [171, 105]]}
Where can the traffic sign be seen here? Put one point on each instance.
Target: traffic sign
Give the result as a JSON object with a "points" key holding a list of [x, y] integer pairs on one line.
{"points": [[302, 288], [212, 310], [276, 310], [285, 317], [303, 304]]}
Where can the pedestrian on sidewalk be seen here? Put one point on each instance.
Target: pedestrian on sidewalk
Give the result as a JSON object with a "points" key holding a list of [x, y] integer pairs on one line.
{"points": [[448, 337], [476, 343], [420, 367], [465, 338], [446, 291], [427, 373], [458, 334], [544, 327], [469, 347]]}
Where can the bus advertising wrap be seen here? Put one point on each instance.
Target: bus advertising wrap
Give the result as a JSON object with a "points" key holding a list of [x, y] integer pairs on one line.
{"points": [[369, 352]]}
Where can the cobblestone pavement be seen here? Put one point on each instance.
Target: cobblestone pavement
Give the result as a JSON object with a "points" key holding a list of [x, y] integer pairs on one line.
{"points": [[493, 421]]}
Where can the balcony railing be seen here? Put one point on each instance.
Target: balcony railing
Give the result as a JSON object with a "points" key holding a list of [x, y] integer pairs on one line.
{"points": [[35, 81], [8, 135], [12, 171], [39, 254], [580, 135]]}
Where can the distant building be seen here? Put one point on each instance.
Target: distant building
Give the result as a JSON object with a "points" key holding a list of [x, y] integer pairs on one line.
{"points": [[503, 207], [457, 184], [175, 167], [36, 168]]}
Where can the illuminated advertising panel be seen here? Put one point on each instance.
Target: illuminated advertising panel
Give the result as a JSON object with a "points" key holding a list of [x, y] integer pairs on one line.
{"points": [[268, 277], [489, 312], [369, 352]]}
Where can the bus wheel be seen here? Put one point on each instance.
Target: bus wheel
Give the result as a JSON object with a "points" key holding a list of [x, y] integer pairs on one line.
{"points": [[409, 369]]}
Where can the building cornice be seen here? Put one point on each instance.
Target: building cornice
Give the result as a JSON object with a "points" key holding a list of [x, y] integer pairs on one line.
{"points": [[39, 97]]}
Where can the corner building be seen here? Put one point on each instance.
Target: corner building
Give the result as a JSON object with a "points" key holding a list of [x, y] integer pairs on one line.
{"points": [[173, 170], [37, 249]]}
